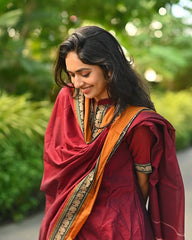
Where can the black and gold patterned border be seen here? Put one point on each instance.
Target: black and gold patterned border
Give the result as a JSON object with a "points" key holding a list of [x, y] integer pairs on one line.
{"points": [[73, 206], [145, 168]]}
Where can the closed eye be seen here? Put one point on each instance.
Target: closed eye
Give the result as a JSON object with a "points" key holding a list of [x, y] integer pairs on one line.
{"points": [[70, 74], [86, 75], [82, 72]]}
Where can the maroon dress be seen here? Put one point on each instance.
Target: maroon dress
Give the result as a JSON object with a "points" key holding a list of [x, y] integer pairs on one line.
{"points": [[119, 211]]}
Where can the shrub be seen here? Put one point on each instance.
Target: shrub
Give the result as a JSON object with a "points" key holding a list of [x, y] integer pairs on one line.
{"points": [[177, 108], [22, 126]]}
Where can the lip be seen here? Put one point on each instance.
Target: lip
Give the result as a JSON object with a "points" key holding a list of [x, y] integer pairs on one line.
{"points": [[86, 90]]}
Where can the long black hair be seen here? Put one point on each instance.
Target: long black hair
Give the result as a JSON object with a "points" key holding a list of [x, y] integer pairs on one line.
{"points": [[96, 46]]}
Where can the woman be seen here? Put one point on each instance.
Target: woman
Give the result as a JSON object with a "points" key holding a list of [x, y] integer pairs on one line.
{"points": [[107, 150]]}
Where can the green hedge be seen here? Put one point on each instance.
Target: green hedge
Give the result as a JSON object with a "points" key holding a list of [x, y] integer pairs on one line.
{"points": [[22, 126], [177, 108]]}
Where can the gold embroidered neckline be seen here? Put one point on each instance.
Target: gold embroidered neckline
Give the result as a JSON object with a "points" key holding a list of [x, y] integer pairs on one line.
{"points": [[96, 117]]}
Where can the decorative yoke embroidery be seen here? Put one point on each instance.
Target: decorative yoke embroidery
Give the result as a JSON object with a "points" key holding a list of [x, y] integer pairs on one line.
{"points": [[95, 120]]}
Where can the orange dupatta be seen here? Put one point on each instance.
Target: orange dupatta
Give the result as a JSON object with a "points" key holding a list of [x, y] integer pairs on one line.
{"points": [[81, 200]]}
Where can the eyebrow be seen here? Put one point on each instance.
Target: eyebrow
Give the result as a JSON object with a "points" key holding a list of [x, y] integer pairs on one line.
{"points": [[79, 70]]}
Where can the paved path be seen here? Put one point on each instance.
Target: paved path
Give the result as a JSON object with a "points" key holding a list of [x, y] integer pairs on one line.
{"points": [[29, 228], [185, 162], [25, 230]]}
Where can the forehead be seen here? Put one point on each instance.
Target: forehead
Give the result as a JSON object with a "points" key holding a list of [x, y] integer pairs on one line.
{"points": [[73, 63]]}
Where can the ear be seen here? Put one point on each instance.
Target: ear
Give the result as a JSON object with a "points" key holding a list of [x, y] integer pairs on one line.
{"points": [[109, 74]]}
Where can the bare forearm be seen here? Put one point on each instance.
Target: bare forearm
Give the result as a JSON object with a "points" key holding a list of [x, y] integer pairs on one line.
{"points": [[143, 182]]}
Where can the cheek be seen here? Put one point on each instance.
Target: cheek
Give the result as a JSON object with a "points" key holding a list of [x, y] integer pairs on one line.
{"points": [[99, 80], [103, 83]]}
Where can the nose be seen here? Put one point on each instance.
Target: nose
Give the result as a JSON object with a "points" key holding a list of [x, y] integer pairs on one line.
{"points": [[77, 81]]}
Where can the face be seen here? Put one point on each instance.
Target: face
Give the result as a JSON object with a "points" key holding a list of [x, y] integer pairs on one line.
{"points": [[89, 78]]}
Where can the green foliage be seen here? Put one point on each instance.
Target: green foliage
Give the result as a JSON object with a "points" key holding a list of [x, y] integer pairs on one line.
{"points": [[9, 18], [30, 32], [19, 114], [22, 126], [176, 107]]}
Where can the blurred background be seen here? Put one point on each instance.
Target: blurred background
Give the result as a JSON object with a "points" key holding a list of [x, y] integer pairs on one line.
{"points": [[156, 33]]}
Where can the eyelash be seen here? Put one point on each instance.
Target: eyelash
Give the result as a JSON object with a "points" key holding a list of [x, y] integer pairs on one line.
{"points": [[85, 75]]}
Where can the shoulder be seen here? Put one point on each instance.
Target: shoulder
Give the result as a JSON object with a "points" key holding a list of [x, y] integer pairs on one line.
{"points": [[151, 118], [153, 123], [64, 94], [64, 98], [65, 91]]}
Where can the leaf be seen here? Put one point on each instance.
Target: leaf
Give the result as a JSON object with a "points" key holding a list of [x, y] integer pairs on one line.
{"points": [[10, 18], [169, 54]]}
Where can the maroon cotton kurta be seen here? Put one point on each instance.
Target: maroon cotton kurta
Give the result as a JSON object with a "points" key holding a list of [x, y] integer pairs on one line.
{"points": [[119, 211]]}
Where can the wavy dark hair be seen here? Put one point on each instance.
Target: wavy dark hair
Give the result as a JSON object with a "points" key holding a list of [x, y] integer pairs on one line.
{"points": [[96, 46]]}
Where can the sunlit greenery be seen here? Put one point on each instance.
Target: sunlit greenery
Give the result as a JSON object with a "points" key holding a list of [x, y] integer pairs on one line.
{"points": [[30, 32], [22, 127], [177, 108]]}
